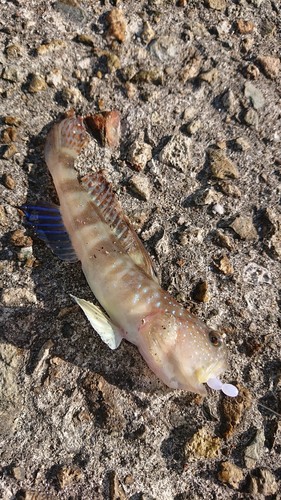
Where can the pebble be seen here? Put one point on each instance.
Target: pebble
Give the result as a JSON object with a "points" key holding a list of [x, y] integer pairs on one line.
{"points": [[148, 32], [53, 45], [244, 27], [20, 239], [251, 118], [192, 66], [86, 39], [233, 411], [229, 101], [252, 71], [206, 196], [242, 144], [244, 227], [37, 83], [12, 120], [263, 482], [9, 152], [116, 489], [255, 95], [193, 127], [71, 10], [117, 25], [216, 4], [140, 184], [230, 189], [224, 265], [3, 216], [247, 44], [68, 474], [154, 76], [165, 48], [222, 240], [12, 74], [210, 76], [139, 154], [71, 95], [271, 231], [54, 78], [105, 127], [230, 474], [14, 51], [176, 153], [270, 66], [9, 135], [201, 292], [220, 166], [254, 451], [17, 297], [9, 181], [202, 445], [18, 473]]}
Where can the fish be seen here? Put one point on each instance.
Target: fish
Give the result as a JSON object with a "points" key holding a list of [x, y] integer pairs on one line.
{"points": [[90, 226]]}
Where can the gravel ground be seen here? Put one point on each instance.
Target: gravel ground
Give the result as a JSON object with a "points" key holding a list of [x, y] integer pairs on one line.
{"points": [[197, 84]]}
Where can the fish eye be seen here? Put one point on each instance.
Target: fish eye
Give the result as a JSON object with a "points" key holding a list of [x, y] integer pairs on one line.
{"points": [[215, 338]]}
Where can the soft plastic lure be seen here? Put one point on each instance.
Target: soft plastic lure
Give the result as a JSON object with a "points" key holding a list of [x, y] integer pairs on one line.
{"points": [[90, 226]]}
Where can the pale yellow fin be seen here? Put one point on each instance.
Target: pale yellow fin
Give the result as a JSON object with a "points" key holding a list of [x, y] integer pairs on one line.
{"points": [[108, 332], [107, 203]]}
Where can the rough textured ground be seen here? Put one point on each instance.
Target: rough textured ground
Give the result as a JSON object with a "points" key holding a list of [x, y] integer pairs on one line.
{"points": [[195, 92]]}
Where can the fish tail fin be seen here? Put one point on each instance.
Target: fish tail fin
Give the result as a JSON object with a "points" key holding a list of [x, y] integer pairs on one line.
{"points": [[66, 138]]}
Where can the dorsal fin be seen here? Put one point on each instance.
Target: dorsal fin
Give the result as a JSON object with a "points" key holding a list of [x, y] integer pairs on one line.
{"points": [[106, 201]]}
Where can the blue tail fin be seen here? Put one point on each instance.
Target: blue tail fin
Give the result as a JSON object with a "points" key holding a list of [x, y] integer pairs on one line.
{"points": [[46, 220]]}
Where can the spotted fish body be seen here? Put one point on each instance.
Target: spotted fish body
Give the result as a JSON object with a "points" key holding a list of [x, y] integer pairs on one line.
{"points": [[182, 351]]}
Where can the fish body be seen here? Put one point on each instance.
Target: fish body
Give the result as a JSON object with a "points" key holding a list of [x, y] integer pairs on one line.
{"points": [[182, 351]]}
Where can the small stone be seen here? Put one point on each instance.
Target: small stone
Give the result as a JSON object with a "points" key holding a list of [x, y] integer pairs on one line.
{"points": [[18, 297], [164, 48], [86, 39], [247, 44], [71, 95], [252, 71], [10, 151], [244, 228], [9, 135], [244, 26], [54, 78], [242, 144], [18, 473], [270, 66], [229, 101], [230, 189], [3, 216], [12, 74], [105, 127], [201, 292], [255, 95], [19, 239], [193, 127], [67, 475], [230, 474], [254, 451], [131, 90], [12, 120], [210, 76], [139, 154], [116, 489], [233, 411], [176, 153], [117, 25], [251, 118], [203, 445], [263, 482], [271, 231], [129, 480], [8, 181], [216, 4], [141, 186], [70, 9], [222, 240], [206, 196], [193, 63], [154, 76], [224, 265], [52, 46], [14, 50], [113, 62], [148, 32], [37, 83], [220, 166]]}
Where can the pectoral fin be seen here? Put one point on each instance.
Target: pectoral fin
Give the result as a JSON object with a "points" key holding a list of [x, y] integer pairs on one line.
{"points": [[108, 332]]}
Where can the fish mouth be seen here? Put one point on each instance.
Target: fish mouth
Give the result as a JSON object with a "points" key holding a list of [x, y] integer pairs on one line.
{"points": [[203, 374]]}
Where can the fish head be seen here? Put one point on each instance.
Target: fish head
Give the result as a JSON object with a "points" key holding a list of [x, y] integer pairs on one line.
{"points": [[182, 351]]}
